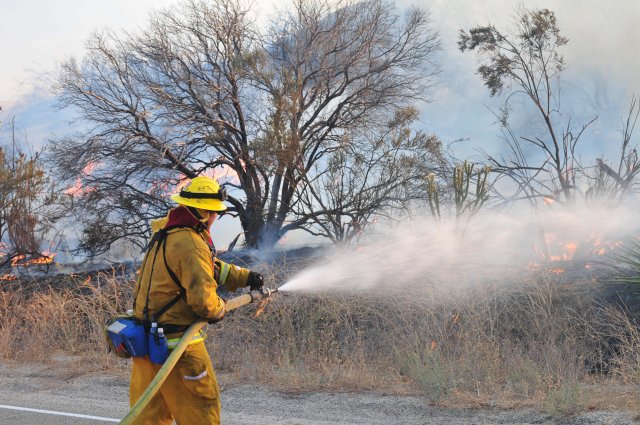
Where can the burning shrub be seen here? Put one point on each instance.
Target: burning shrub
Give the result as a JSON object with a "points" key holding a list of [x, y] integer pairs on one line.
{"points": [[26, 215]]}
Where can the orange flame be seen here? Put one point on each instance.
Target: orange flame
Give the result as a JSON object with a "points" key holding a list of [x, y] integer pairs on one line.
{"points": [[89, 168], [39, 261], [181, 185], [570, 250], [548, 200], [223, 172], [78, 189], [602, 247], [8, 277], [557, 250], [44, 259], [567, 250], [261, 306], [283, 240], [218, 173]]}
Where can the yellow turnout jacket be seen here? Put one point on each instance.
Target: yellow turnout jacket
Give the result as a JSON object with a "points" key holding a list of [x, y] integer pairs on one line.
{"points": [[192, 261]]}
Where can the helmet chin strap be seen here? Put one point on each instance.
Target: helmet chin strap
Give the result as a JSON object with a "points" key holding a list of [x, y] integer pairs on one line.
{"points": [[197, 213]]}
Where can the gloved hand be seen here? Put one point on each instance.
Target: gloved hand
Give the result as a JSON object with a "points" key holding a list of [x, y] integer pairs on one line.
{"points": [[255, 281], [220, 315]]}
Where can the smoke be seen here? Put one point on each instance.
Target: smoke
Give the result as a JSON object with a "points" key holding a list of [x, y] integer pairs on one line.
{"points": [[492, 247], [599, 80]]}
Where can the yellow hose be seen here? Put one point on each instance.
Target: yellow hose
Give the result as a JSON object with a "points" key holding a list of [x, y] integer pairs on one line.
{"points": [[173, 358]]}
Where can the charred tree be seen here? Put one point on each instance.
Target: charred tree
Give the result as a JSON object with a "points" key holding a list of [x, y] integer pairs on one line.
{"points": [[377, 174], [27, 216], [611, 184], [526, 61], [332, 76], [201, 90]]}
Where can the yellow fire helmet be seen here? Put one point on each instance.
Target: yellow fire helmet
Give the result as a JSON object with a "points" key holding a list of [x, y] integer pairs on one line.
{"points": [[204, 193]]}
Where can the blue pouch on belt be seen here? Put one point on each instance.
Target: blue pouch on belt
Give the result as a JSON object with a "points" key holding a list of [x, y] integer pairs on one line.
{"points": [[127, 338], [158, 345]]}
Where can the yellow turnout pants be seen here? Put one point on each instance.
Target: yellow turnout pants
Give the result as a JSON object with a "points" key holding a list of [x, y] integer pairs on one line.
{"points": [[190, 394]]}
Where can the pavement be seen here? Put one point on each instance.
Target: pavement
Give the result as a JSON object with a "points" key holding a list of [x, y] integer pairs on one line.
{"points": [[46, 395]]}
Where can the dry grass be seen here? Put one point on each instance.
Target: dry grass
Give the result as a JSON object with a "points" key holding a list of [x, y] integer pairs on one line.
{"points": [[536, 344], [44, 322]]}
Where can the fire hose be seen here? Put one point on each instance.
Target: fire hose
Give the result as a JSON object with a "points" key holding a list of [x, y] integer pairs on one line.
{"points": [[173, 358]]}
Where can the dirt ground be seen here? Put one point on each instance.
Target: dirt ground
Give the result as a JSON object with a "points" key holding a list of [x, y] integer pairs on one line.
{"points": [[69, 389]]}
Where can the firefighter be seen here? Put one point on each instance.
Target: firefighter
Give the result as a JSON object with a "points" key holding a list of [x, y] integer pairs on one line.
{"points": [[177, 285]]}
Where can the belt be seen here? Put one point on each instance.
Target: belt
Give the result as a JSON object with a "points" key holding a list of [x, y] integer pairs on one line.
{"points": [[168, 328]]}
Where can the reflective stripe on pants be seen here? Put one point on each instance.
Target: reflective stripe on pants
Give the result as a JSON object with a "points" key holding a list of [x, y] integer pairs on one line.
{"points": [[199, 337], [190, 394]]}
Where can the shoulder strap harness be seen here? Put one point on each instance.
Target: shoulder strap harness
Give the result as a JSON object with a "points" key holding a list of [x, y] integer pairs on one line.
{"points": [[160, 239]]}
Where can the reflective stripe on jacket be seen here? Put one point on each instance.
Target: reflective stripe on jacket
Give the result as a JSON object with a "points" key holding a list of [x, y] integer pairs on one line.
{"points": [[230, 276]]}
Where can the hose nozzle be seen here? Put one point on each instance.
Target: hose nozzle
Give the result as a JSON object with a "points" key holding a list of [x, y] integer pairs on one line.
{"points": [[249, 297], [262, 293]]}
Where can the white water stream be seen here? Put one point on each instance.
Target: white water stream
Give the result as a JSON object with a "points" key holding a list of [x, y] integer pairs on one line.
{"points": [[420, 253]]}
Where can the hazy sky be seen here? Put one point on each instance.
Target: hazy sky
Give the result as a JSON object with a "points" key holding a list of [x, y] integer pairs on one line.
{"points": [[602, 57], [37, 34], [603, 63]]}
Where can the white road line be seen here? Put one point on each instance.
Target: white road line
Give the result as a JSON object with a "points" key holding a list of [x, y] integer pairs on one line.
{"points": [[52, 412]]}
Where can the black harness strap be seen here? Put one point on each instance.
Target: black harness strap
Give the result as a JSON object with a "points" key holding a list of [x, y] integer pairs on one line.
{"points": [[154, 239], [175, 279], [160, 238], [157, 237], [168, 328], [171, 273]]}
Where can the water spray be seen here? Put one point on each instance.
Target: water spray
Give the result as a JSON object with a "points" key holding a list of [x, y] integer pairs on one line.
{"points": [[169, 364], [420, 256]]}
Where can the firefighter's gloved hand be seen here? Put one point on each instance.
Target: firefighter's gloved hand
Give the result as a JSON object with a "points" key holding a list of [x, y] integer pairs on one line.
{"points": [[220, 315], [255, 281]]}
